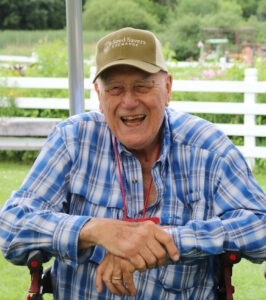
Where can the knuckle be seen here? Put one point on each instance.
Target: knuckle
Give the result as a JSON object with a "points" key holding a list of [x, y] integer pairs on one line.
{"points": [[161, 254], [152, 260], [106, 279]]}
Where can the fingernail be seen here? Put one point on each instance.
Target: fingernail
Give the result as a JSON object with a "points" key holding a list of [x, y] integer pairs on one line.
{"points": [[176, 257]]}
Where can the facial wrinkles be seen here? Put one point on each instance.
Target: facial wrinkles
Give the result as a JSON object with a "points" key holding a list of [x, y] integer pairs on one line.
{"points": [[128, 95], [133, 114]]}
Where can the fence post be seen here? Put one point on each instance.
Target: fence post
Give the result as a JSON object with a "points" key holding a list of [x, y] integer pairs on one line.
{"points": [[250, 119]]}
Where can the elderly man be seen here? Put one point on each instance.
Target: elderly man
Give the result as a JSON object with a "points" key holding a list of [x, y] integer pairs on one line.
{"points": [[139, 200]]}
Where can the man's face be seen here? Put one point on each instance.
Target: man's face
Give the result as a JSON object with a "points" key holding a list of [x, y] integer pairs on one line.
{"points": [[133, 104]]}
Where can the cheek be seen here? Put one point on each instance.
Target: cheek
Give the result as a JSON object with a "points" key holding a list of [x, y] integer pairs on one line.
{"points": [[103, 106], [108, 111]]}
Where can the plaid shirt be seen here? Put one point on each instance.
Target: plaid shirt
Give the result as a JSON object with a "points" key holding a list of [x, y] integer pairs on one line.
{"points": [[206, 193]]}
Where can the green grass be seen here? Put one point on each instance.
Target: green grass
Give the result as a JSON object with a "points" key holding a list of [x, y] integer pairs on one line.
{"points": [[247, 277], [23, 42]]}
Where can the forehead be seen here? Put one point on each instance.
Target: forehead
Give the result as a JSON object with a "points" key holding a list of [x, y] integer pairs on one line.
{"points": [[121, 71]]}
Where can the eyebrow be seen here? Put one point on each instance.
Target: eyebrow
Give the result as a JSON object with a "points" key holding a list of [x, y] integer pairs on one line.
{"points": [[110, 80]]}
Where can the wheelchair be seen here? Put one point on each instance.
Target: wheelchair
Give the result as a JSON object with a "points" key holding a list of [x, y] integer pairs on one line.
{"points": [[41, 282]]}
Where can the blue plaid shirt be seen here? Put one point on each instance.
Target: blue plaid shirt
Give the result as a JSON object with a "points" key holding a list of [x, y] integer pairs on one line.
{"points": [[206, 193]]}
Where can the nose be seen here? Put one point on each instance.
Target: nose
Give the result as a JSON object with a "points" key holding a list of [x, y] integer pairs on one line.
{"points": [[129, 99]]}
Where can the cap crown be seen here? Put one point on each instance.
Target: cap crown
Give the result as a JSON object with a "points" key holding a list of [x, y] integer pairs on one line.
{"points": [[129, 46]]}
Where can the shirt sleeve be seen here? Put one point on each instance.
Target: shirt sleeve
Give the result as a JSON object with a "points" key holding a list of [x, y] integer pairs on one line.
{"points": [[35, 217], [239, 220]]}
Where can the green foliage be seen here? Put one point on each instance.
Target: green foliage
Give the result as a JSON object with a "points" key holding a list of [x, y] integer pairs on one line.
{"points": [[186, 26], [192, 18], [163, 11], [7, 103], [53, 63], [260, 166], [196, 7], [228, 15], [22, 42], [259, 28], [249, 7], [104, 15], [261, 10], [181, 22], [19, 156], [52, 60], [32, 14]]}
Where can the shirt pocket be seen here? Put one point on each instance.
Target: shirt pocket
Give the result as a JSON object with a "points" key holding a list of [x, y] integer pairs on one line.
{"points": [[198, 206], [94, 207], [177, 278]]}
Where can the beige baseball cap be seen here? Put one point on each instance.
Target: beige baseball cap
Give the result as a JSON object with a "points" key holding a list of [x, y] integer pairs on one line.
{"points": [[130, 46]]}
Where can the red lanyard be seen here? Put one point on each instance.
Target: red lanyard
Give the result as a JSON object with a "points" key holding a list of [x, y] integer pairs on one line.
{"points": [[126, 218]]}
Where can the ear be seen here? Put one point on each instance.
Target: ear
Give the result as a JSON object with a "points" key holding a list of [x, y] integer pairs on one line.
{"points": [[97, 89], [168, 85]]}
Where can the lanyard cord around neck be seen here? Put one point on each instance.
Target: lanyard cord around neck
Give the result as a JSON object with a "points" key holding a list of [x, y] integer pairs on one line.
{"points": [[122, 185]]}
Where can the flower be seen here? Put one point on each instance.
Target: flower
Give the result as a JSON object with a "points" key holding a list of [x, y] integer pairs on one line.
{"points": [[209, 73], [200, 44]]}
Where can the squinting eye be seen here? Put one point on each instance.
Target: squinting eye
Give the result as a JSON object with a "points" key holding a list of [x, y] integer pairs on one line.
{"points": [[115, 90], [143, 87]]}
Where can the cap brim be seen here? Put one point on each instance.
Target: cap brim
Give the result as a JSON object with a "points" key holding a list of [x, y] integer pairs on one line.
{"points": [[147, 67]]}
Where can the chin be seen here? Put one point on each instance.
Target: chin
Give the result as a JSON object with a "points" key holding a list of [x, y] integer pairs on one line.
{"points": [[132, 144]]}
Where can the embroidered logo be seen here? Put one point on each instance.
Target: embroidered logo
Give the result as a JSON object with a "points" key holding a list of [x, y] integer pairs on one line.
{"points": [[125, 41]]}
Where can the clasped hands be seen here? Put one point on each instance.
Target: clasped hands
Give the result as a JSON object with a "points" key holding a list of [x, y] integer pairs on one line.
{"points": [[131, 247]]}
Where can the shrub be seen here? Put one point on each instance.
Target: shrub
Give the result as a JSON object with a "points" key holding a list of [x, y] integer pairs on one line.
{"points": [[104, 15], [32, 14]]}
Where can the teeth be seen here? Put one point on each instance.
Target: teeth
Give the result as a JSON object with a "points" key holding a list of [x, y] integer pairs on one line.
{"points": [[131, 118]]}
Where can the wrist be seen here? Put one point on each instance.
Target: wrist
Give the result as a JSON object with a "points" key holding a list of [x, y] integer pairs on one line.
{"points": [[88, 235]]}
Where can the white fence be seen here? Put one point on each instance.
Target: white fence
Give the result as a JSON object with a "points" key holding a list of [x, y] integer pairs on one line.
{"points": [[12, 129]]}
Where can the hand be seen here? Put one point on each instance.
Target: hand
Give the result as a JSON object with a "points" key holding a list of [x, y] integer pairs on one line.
{"points": [[117, 274], [144, 244]]}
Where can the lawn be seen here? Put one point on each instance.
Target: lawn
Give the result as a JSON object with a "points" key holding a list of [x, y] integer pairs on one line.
{"points": [[247, 277]]}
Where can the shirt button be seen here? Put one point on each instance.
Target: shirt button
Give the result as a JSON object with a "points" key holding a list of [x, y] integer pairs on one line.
{"points": [[134, 181]]}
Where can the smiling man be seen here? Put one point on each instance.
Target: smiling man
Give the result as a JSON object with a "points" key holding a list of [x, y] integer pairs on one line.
{"points": [[133, 103], [136, 201]]}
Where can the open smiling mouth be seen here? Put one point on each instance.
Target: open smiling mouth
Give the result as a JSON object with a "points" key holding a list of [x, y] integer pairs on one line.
{"points": [[133, 120]]}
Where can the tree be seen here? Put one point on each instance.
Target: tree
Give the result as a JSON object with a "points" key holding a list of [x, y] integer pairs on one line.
{"points": [[104, 15], [261, 10], [32, 14], [197, 7], [249, 7], [228, 15], [191, 20], [183, 35]]}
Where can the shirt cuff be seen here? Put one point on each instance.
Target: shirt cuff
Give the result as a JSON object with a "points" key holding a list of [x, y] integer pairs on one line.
{"points": [[65, 238]]}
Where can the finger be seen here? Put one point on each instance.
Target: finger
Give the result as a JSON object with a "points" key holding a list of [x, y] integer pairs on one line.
{"points": [[119, 285], [148, 255], [112, 288], [166, 240], [117, 276], [128, 279], [159, 253], [107, 267], [127, 269], [138, 262], [101, 269], [109, 281], [98, 280]]}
